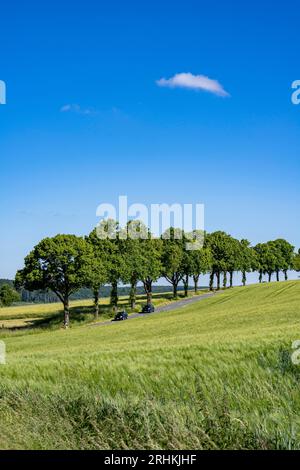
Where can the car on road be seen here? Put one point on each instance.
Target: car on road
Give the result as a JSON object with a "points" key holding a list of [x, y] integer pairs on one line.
{"points": [[148, 308], [120, 316]]}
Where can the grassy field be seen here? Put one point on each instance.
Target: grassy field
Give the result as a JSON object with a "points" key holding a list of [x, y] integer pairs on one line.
{"points": [[213, 375]]}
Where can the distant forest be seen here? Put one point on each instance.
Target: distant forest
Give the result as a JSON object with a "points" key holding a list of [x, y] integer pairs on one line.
{"points": [[45, 297]]}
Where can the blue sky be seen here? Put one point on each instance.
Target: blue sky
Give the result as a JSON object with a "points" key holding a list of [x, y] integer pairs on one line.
{"points": [[86, 121]]}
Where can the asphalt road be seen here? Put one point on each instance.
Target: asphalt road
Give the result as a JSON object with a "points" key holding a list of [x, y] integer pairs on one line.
{"points": [[165, 308]]}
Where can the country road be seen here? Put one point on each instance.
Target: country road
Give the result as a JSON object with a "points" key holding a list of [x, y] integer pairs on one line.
{"points": [[165, 308]]}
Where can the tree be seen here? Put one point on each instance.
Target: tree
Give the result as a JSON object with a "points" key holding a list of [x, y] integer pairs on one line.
{"points": [[285, 257], [98, 270], [111, 243], [196, 259], [232, 258], [173, 257], [266, 259], [151, 249], [296, 262], [132, 248], [60, 264], [197, 262], [186, 269], [273, 257], [220, 244], [247, 259], [8, 295], [186, 262]]}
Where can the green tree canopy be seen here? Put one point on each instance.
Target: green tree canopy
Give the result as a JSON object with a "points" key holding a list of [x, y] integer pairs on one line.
{"points": [[266, 259], [221, 247], [284, 257], [273, 257]]}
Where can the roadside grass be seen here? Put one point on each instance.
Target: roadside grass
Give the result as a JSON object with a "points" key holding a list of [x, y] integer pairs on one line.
{"points": [[213, 375]]}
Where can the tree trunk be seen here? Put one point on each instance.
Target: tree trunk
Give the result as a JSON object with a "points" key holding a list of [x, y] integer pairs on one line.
{"points": [[175, 290], [149, 297], [277, 276], [148, 289], [218, 280], [186, 285], [285, 275], [211, 281], [244, 278], [225, 279], [114, 296], [66, 313], [260, 276], [132, 295], [231, 279], [270, 277], [196, 279], [96, 303]]}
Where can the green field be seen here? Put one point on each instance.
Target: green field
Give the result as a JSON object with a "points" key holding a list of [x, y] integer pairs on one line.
{"points": [[213, 375]]}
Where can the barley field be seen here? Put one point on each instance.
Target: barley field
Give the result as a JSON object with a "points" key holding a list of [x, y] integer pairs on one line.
{"points": [[213, 375]]}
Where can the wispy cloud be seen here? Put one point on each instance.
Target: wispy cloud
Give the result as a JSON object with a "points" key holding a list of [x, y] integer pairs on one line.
{"points": [[193, 82], [76, 108]]}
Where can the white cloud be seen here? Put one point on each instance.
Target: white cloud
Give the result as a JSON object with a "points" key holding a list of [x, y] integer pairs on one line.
{"points": [[76, 108], [194, 82]]}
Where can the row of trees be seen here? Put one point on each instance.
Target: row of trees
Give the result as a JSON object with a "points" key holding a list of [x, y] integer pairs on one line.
{"points": [[66, 263]]}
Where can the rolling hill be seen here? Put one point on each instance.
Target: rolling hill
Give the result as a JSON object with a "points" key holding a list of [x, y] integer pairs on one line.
{"points": [[213, 375]]}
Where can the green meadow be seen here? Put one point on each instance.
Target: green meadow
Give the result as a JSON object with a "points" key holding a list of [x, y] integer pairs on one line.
{"points": [[213, 375]]}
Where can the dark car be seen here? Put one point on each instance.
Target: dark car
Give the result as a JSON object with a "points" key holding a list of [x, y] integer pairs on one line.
{"points": [[120, 316], [149, 308]]}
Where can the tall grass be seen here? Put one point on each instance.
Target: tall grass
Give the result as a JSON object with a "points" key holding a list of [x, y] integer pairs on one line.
{"points": [[214, 375]]}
